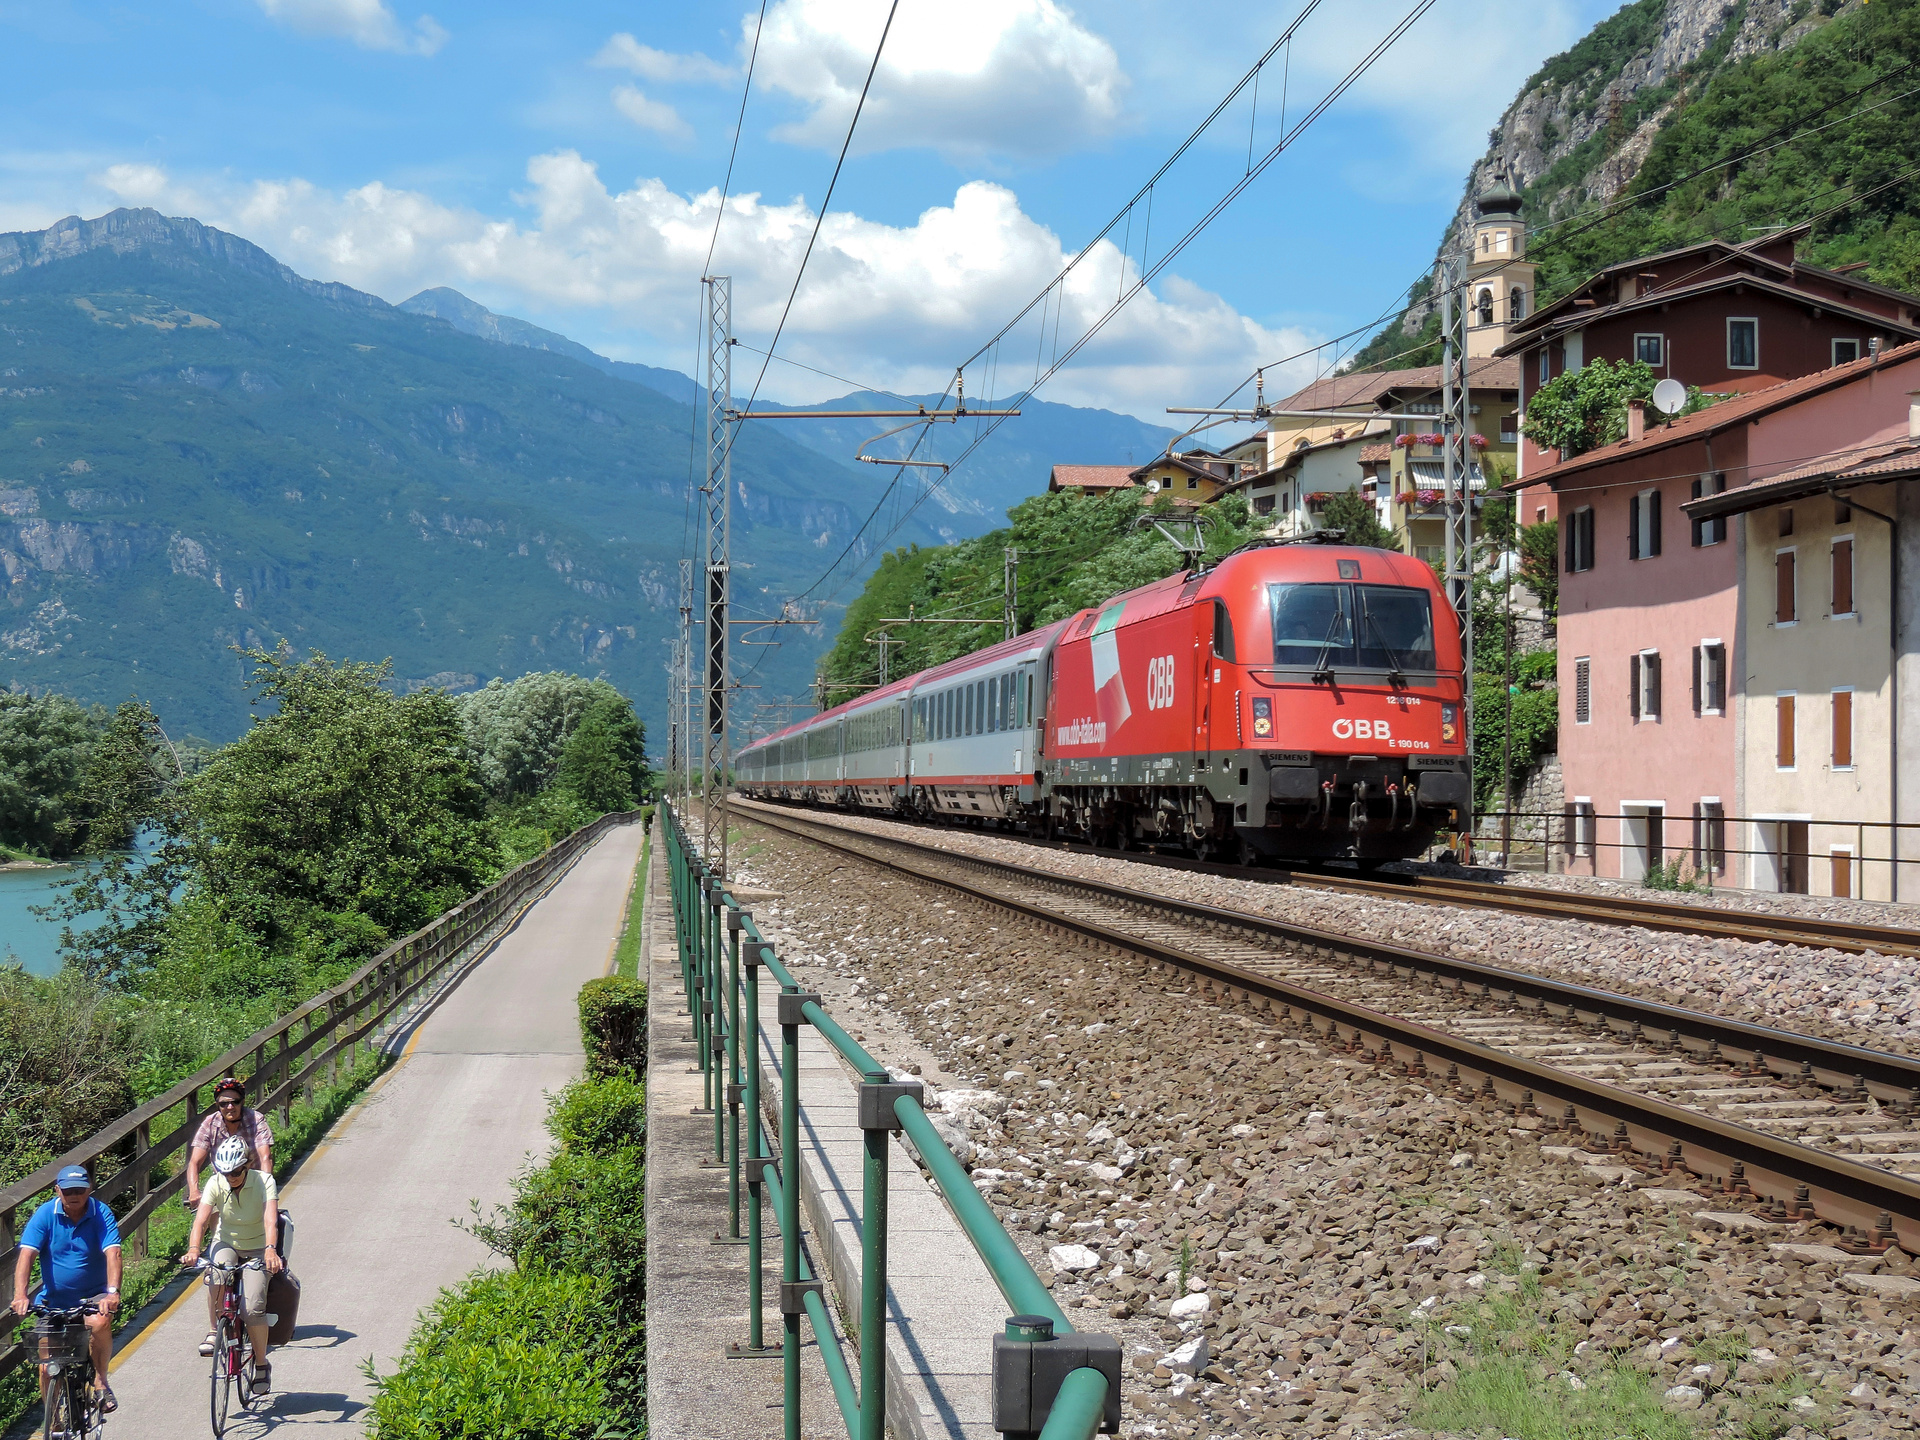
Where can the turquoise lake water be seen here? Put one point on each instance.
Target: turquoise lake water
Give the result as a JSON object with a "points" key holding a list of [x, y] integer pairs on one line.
{"points": [[24, 936]]}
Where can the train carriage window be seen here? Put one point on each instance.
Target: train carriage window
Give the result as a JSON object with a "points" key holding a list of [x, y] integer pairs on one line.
{"points": [[993, 705], [1222, 631]]}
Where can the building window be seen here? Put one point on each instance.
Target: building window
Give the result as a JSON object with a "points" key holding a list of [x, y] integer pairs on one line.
{"points": [[1583, 690], [1546, 365], [1842, 512], [1643, 525], [1784, 611], [1709, 532], [1645, 681], [1710, 837], [1500, 242], [1845, 352], [1710, 678], [1581, 826], [1517, 303], [1842, 569], [1743, 344], [1650, 350], [1509, 429], [1842, 859], [1484, 306], [1193, 482], [1580, 539], [1783, 731], [1843, 729]]}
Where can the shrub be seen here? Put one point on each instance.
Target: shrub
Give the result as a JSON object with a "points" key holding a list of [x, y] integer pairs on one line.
{"points": [[598, 1116], [613, 1026], [513, 1354]]}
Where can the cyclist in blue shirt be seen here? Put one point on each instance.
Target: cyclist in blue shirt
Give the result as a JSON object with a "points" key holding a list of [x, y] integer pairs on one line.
{"points": [[77, 1241]]}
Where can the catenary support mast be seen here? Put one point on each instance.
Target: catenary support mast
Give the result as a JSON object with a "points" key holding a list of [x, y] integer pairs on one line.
{"points": [[718, 491], [1456, 424]]}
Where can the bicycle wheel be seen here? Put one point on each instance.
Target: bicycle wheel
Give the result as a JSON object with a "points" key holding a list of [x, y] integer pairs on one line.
{"points": [[59, 1414], [222, 1376]]}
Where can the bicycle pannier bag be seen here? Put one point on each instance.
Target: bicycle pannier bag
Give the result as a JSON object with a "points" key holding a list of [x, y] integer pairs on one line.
{"points": [[283, 1303]]}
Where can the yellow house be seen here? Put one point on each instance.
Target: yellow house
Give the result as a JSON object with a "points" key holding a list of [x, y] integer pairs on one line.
{"points": [[1414, 507], [1813, 683], [1192, 477]]}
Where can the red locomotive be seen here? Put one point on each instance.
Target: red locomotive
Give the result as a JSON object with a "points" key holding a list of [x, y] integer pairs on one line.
{"points": [[1296, 701]]}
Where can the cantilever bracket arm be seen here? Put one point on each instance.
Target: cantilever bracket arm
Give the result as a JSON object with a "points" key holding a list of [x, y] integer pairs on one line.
{"points": [[866, 459]]}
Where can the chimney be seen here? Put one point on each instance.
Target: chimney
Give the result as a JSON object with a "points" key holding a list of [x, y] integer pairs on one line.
{"points": [[1636, 420], [1913, 414]]}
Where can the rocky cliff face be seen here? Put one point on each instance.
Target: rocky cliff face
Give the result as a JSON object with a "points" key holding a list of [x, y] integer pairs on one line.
{"points": [[1581, 128]]}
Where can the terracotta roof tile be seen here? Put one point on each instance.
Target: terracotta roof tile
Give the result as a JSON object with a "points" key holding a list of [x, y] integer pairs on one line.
{"points": [[1370, 454], [1092, 477]]}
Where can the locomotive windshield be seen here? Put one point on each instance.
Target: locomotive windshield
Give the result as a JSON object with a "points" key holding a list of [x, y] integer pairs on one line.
{"points": [[1352, 627]]}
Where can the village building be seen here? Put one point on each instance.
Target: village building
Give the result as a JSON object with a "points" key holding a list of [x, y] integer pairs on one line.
{"points": [[1829, 614], [1719, 316], [1090, 479], [1657, 638]]}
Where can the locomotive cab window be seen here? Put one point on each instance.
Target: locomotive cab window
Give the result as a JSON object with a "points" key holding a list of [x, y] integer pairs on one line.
{"points": [[1222, 631], [1319, 627]]}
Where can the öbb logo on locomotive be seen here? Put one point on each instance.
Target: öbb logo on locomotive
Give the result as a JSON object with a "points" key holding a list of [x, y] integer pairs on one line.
{"points": [[1160, 683], [1085, 727]]}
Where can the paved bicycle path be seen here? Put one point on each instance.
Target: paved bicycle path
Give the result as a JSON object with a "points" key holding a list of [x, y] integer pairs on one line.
{"points": [[373, 1205]]}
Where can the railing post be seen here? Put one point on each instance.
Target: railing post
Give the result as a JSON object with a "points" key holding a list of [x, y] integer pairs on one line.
{"points": [[790, 1001], [756, 1335], [877, 1094], [136, 1242], [717, 1025], [736, 918]]}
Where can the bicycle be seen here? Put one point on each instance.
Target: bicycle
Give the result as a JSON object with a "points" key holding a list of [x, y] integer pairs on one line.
{"points": [[60, 1343], [230, 1344]]}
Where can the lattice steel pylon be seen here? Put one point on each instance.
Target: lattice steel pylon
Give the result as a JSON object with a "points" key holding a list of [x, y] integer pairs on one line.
{"points": [[683, 689], [718, 491], [1456, 452]]}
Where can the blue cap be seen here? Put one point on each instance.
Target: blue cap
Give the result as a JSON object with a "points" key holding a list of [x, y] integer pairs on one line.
{"points": [[74, 1177]]}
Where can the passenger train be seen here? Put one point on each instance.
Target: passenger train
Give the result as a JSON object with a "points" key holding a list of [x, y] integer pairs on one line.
{"points": [[1295, 701]]}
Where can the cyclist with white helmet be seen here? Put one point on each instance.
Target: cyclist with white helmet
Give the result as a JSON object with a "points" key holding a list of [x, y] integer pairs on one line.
{"points": [[244, 1203]]}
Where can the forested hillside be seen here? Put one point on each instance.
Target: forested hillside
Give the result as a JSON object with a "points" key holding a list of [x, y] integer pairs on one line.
{"points": [[1676, 121], [201, 450]]}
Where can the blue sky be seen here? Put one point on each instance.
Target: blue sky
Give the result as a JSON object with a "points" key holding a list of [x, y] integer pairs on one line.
{"points": [[559, 163]]}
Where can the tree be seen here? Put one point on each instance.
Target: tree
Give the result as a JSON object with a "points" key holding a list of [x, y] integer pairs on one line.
{"points": [[1540, 563], [604, 763], [1351, 512], [516, 729], [45, 744], [1581, 410]]}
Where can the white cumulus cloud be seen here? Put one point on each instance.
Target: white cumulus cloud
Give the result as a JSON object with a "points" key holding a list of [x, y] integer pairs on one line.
{"points": [[654, 115], [370, 24], [998, 77], [623, 52], [895, 305]]}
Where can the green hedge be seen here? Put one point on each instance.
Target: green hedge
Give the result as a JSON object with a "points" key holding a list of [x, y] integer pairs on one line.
{"points": [[513, 1355], [613, 1026]]}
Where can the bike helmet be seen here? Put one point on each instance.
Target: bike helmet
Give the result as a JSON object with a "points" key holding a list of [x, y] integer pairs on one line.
{"points": [[231, 1156], [233, 1083]]}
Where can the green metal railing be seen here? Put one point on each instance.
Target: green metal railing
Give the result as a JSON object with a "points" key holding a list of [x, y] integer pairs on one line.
{"points": [[1050, 1382]]}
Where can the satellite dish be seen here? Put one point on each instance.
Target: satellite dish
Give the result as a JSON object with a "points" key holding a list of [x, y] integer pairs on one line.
{"points": [[1668, 396], [1153, 487]]}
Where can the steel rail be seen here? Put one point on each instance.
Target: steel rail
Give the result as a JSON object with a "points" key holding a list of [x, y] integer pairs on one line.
{"points": [[1855, 937], [1837, 1190]]}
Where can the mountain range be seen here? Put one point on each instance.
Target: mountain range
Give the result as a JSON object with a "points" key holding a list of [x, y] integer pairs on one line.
{"points": [[201, 451]]}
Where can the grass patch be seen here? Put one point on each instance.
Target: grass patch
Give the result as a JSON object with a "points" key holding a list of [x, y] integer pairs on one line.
{"points": [[626, 957], [1511, 1378]]}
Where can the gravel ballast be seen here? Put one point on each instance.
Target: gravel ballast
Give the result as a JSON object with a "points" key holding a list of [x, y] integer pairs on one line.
{"points": [[1292, 1242]]}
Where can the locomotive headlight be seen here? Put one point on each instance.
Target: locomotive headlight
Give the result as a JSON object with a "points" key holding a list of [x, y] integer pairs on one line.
{"points": [[1262, 716], [1449, 723]]}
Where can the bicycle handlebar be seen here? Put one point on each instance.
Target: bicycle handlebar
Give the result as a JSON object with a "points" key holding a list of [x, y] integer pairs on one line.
{"points": [[86, 1307], [204, 1263]]}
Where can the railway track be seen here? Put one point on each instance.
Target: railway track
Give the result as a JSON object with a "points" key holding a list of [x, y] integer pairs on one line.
{"points": [[1853, 937], [1769, 1123]]}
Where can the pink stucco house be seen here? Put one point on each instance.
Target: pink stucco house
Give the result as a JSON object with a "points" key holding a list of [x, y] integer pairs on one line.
{"points": [[1651, 653]]}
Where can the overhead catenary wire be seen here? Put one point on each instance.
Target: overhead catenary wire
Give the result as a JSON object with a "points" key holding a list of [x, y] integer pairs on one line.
{"points": [[1145, 275]]}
